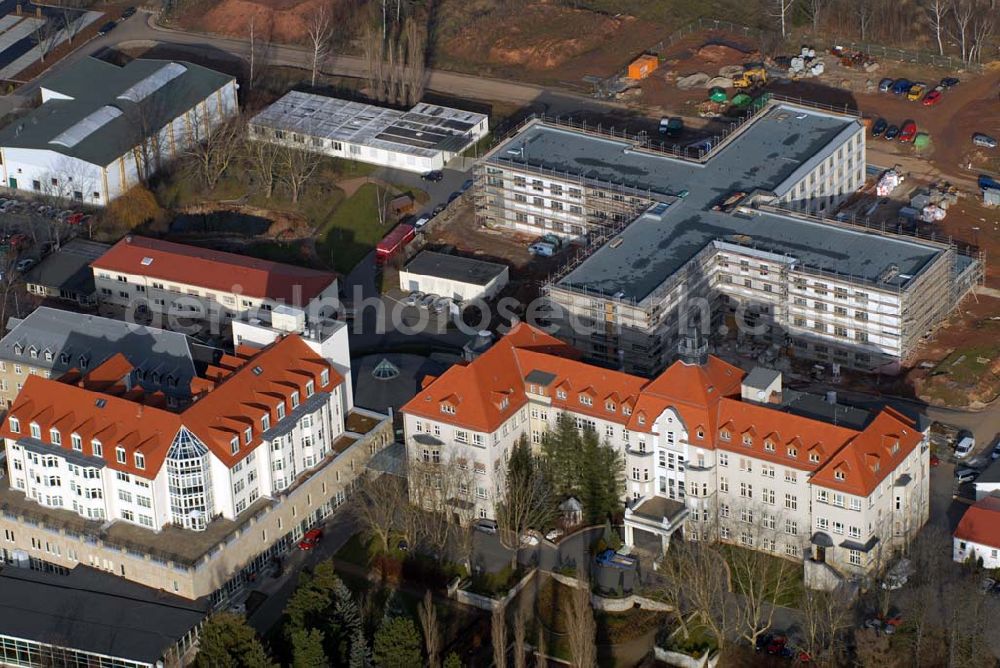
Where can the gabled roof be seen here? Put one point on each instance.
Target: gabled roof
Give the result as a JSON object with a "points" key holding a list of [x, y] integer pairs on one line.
{"points": [[981, 522], [214, 270], [871, 456], [102, 410]]}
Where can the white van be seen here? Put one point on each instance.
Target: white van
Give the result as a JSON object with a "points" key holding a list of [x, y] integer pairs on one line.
{"points": [[542, 249], [965, 475]]}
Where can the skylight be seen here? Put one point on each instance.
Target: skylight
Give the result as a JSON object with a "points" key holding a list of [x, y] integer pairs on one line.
{"points": [[146, 261], [90, 124], [154, 82]]}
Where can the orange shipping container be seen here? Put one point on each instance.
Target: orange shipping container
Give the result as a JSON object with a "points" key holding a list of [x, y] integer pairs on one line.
{"points": [[642, 67]]}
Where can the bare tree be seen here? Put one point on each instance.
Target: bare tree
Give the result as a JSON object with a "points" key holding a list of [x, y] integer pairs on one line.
{"points": [[46, 37], [71, 21], [259, 50], [529, 497], [379, 503], [263, 160], [824, 615], [694, 580], [782, 10], [864, 12], [937, 11], [498, 636], [319, 28], [962, 13], [414, 61], [298, 166], [432, 630], [581, 630], [210, 153], [761, 578], [519, 639], [815, 9], [983, 25]]}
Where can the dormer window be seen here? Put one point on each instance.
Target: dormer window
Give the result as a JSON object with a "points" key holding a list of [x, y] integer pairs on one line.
{"points": [[295, 399], [700, 433], [265, 423], [747, 439], [504, 403], [280, 410], [64, 358], [725, 435], [310, 388], [769, 445], [120, 455], [895, 447], [248, 434], [18, 349], [96, 448], [610, 407], [234, 445], [814, 457], [560, 394], [140, 461], [324, 377], [48, 355], [448, 408], [792, 452], [839, 475], [642, 419], [77, 442], [626, 410], [15, 425], [33, 352], [586, 400], [36, 431], [55, 436]]}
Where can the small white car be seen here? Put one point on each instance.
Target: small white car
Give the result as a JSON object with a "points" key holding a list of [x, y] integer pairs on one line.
{"points": [[965, 446]]}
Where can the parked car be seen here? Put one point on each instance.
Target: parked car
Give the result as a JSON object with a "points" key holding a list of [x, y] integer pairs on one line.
{"points": [[528, 540], [908, 131], [454, 196], [949, 82], [671, 127], [879, 127], [916, 90], [435, 175], [931, 98], [984, 141], [413, 298], [25, 264], [612, 559], [487, 526], [106, 28], [966, 444], [438, 209], [885, 85], [311, 539], [891, 132], [466, 185], [901, 87], [542, 249], [428, 300], [128, 13], [420, 222], [441, 305], [995, 452], [965, 475]]}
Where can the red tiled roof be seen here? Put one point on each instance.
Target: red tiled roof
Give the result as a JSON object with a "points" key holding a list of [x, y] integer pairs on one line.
{"points": [[872, 455], [981, 522], [706, 397], [214, 270], [237, 401]]}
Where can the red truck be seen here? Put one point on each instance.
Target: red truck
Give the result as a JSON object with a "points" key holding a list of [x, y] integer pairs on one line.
{"points": [[394, 242]]}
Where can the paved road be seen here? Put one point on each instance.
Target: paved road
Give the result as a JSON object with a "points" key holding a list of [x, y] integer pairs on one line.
{"points": [[142, 28]]}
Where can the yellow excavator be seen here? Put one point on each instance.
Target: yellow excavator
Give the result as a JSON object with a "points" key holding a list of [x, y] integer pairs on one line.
{"points": [[752, 75]]}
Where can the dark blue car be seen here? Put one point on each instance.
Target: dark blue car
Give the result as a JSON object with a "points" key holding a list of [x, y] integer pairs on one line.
{"points": [[879, 127], [901, 87]]}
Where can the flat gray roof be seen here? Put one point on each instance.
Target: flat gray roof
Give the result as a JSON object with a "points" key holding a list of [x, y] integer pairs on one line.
{"points": [[94, 612], [423, 130], [454, 267], [769, 154], [68, 269], [107, 109]]}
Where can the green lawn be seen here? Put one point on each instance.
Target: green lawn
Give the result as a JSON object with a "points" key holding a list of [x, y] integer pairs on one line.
{"points": [[352, 230]]}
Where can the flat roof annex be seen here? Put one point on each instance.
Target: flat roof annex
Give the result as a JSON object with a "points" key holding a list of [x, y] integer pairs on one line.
{"points": [[455, 268]]}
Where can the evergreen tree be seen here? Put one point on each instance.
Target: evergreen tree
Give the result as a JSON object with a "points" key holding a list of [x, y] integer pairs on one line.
{"points": [[307, 649], [227, 642], [398, 644], [452, 661]]}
